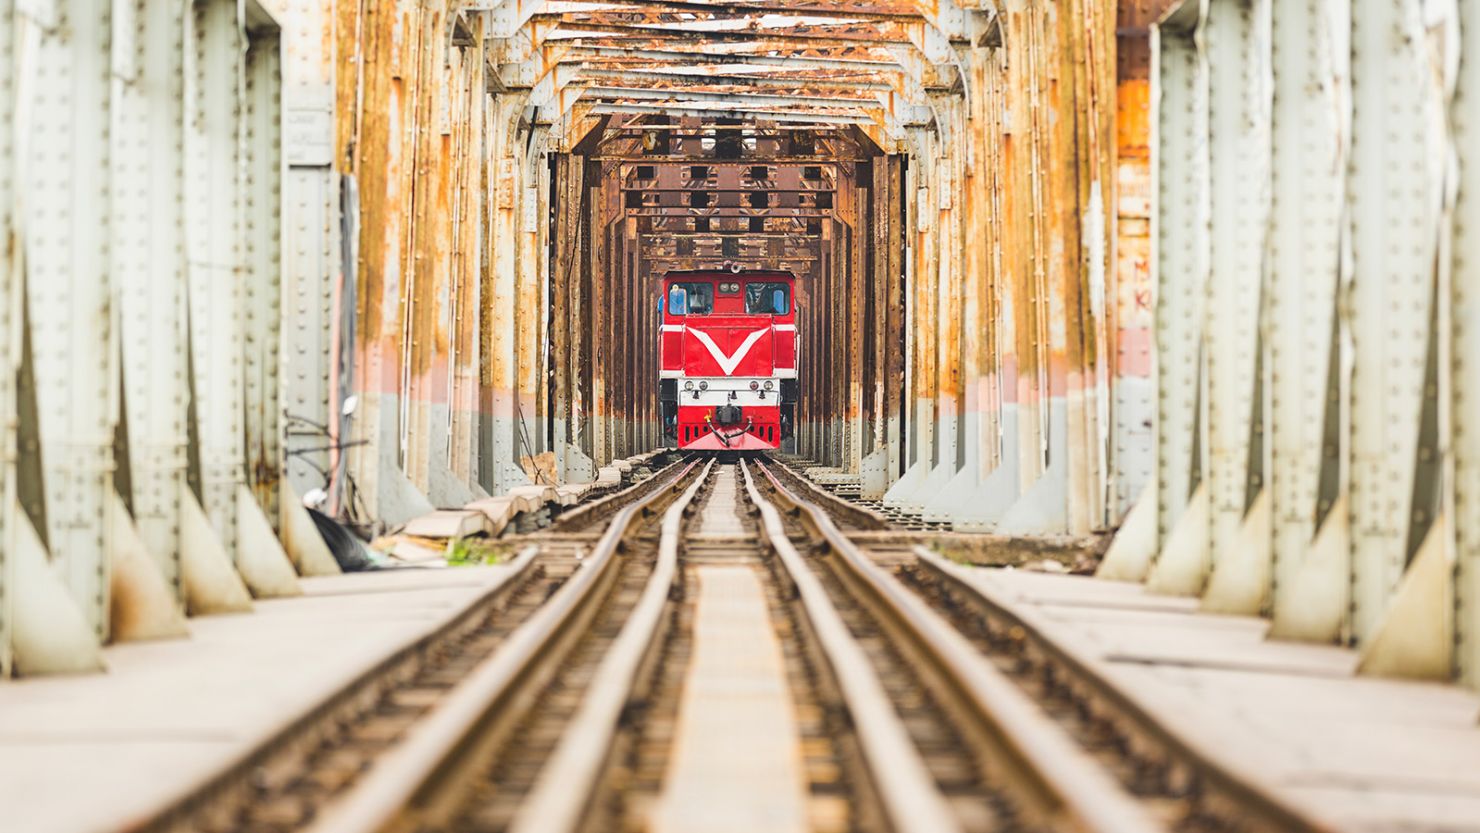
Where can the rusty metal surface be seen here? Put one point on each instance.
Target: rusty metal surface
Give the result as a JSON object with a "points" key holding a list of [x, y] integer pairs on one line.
{"points": [[455, 211], [495, 276], [598, 82], [479, 197]]}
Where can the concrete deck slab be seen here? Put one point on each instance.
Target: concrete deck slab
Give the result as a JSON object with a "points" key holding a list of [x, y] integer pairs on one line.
{"points": [[1365, 754], [721, 518], [449, 523], [737, 762], [102, 752]]}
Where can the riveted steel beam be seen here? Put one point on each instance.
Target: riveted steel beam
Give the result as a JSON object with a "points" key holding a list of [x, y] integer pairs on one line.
{"points": [[650, 74], [1183, 254], [885, 12], [740, 95], [1395, 192], [1237, 35], [793, 63], [11, 319], [219, 186], [700, 109], [263, 254], [1392, 287], [1465, 327], [66, 183], [1304, 343], [148, 230], [314, 387], [696, 32], [550, 88]]}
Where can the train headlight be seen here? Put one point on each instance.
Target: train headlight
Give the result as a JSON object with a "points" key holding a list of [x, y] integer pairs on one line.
{"points": [[754, 385], [770, 384], [703, 386], [689, 385]]}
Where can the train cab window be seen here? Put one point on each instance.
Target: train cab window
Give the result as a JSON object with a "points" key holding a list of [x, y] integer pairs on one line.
{"points": [[691, 299], [767, 299]]}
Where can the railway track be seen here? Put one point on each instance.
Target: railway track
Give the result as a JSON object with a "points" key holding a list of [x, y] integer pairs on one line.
{"points": [[581, 735], [284, 783], [710, 650], [599, 712], [1183, 787], [991, 760]]}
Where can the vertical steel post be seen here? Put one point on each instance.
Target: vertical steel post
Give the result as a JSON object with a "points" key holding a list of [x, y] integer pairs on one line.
{"points": [[212, 165], [1238, 35], [1180, 226], [148, 273], [924, 253], [1311, 59], [505, 294], [1465, 351], [10, 319], [219, 272], [528, 309], [71, 313], [262, 249], [1395, 189], [1132, 410], [311, 240]]}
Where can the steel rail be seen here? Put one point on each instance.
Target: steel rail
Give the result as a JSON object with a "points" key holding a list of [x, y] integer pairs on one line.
{"points": [[1051, 779], [559, 800], [590, 512], [836, 507], [906, 790], [1253, 802], [407, 780], [295, 737]]}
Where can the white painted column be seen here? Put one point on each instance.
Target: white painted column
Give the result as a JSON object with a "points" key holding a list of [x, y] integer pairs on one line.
{"points": [[147, 269], [1311, 119], [10, 302], [71, 313], [1180, 232], [1395, 187], [1238, 38], [219, 272], [262, 239], [311, 234], [1465, 351]]}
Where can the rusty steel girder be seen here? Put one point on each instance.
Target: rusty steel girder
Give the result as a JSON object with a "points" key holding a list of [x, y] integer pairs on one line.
{"points": [[455, 212], [879, 128], [474, 199], [978, 140]]}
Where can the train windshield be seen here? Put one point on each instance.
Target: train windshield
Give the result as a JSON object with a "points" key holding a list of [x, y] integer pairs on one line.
{"points": [[767, 299], [691, 299]]}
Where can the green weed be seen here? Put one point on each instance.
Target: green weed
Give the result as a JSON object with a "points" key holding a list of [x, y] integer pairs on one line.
{"points": [[474, 552]]}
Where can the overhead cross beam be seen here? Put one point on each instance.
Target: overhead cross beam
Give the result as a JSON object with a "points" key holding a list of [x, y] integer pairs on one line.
{"points": [[873, 64], [700, 109], [883, 11], [658, 74]]}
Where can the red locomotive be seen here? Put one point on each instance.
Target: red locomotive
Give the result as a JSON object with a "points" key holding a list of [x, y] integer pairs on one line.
{"points": [[728, 359]]}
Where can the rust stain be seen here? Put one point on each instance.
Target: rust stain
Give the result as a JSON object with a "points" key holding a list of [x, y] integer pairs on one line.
{"points": [[825, 97]]}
